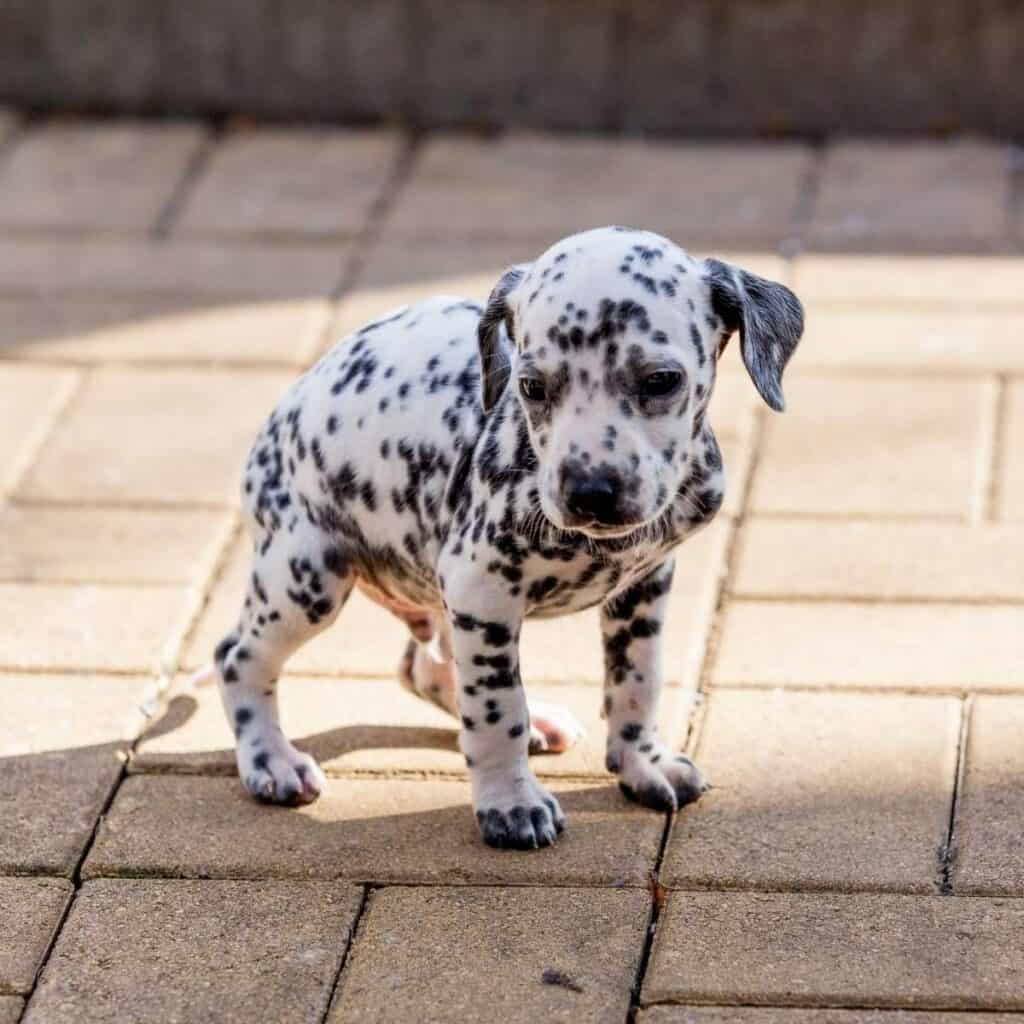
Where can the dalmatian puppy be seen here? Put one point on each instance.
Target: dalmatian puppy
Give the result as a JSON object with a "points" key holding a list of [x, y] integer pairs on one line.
{"points": [[472, 467]]}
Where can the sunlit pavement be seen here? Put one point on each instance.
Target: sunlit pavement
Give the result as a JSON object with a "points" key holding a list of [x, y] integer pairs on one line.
{"points": [[845, 650]]}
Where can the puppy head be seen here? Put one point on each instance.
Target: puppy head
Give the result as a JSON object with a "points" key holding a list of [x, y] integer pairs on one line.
{"points": [[610, 341]]}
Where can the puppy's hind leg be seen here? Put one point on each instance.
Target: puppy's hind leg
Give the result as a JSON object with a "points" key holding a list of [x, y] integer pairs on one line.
{"points": [[298, 584], [427, 669]]}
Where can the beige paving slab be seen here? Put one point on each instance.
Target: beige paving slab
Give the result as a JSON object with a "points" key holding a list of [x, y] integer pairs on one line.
{"points": [[516, 187], [819, 791], [290, 181], [988, 828], [91, 627], [92, 267], [553, 650], [31, 909], [879, 560], [888, 448], [32, 397], [668, 1014], [386, 830], [63, 740], [208, 951], [854, 950], [921, 339], [911, 196], [1010, 479], [10, 1009], [372, 725], [509, 941], [201, 329], [167, 436], [46, 544], [95, 175], [832, 643], [966, 283]]}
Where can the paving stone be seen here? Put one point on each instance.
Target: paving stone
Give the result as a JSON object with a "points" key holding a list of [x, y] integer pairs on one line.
{"points": [[290, 181], [988, 859], [515, 187], [939, 646], [878, 560], [509, 940], [63, 740], [877, 447], [95, 175], [1010, 484], [94, 267], [854, 950], [924, 282], [165, 331], [31, 909], [10, 1009], [163, 436], [385, 830], [899, 195], [553, 650], [32, 397], [884, 337], [92, 628], [112, 545], [228, 951], [790, 1015], [370, 725], [819, 791]]}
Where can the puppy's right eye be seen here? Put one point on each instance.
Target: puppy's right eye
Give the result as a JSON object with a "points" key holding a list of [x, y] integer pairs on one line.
{"points": [[532, 389]]}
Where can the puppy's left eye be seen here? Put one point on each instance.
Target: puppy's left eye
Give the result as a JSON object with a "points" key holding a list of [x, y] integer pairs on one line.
{"points": [[661, 384]]}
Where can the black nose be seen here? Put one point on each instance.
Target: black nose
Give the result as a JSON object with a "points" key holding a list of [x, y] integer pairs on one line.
{"points": [[593, 498]]}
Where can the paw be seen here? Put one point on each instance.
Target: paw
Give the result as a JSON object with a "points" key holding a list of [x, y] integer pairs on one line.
{"points": [[552, 729], [520, 815], [277, 773], [652, 775]]}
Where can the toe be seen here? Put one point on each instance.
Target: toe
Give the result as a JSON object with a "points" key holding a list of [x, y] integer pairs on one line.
{"points": [[538, 740], [520, 828], [554, 729], [312, 780], [687, 781], [493, 827], [653, 793], [260, 785]]}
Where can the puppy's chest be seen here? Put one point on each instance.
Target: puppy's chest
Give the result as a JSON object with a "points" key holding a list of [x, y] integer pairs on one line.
{"points": [[558, 587]]}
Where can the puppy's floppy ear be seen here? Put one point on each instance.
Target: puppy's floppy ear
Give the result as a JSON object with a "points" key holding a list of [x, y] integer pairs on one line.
{"points": [[768, 316], [495, 362]]}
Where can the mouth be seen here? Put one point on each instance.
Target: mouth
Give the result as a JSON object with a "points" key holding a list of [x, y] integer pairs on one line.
{"points": [[599, 532]]}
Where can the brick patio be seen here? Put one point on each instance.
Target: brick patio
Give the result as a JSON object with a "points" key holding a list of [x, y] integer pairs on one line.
{"points": [[845, 651]]}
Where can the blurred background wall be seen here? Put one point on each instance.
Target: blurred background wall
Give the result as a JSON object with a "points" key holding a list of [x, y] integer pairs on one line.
{"points": [[688, 68]]}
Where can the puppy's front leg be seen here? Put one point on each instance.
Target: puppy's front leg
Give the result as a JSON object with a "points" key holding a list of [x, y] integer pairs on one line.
{"points": [[631, 625], [512, 808]]}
